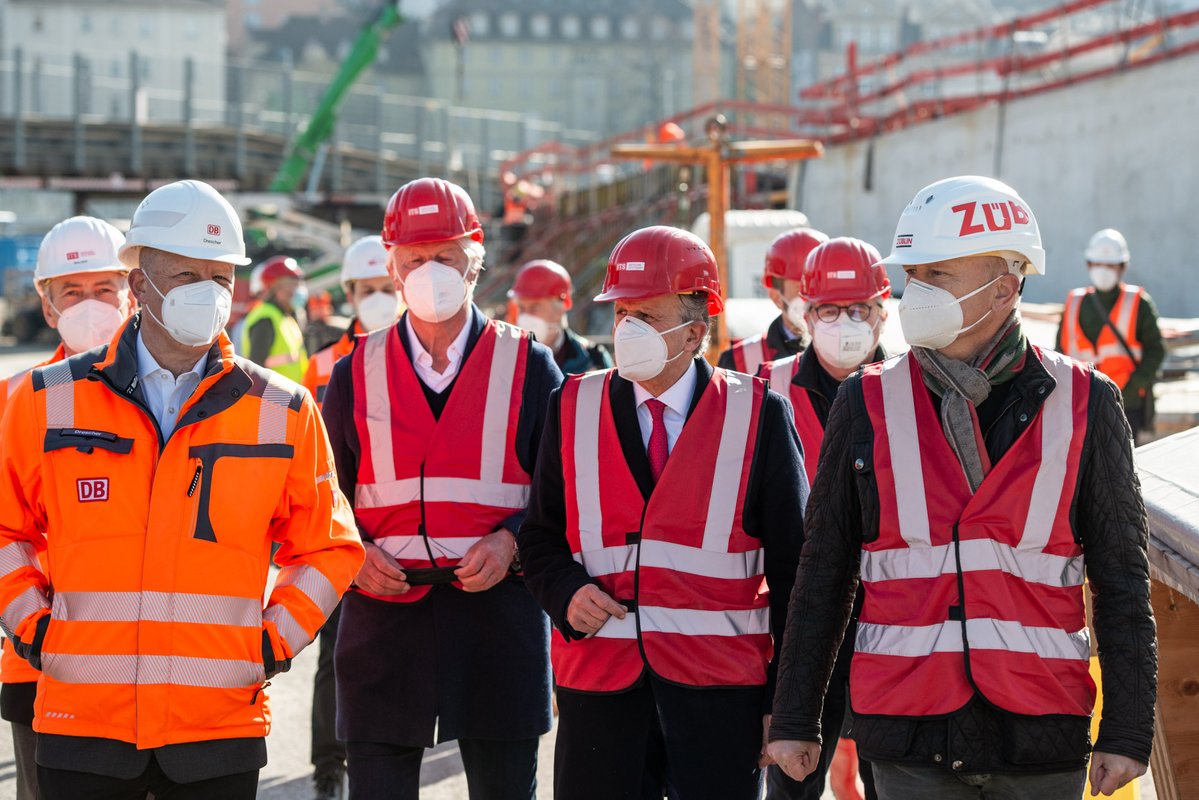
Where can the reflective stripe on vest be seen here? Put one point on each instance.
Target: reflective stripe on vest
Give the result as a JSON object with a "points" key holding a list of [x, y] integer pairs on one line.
{"points": [[750, 353], [692, 584], [1108, 355], [413, 471], [287, 355], [781, 375], [1018, 614]]}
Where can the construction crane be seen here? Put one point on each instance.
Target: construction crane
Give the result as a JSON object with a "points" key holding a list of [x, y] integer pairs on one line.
{"points": [[764, 52], [705, 53], [320, 125]]}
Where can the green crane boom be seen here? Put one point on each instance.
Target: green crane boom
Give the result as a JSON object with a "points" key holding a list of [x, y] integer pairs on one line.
{"points": [[320, 126]]}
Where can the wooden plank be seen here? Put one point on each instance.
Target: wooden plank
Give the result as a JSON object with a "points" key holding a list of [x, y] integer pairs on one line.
{"points": [[1178, 694]]}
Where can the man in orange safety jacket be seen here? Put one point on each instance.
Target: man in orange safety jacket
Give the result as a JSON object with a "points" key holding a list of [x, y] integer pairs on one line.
{"points": [[150, 477]]}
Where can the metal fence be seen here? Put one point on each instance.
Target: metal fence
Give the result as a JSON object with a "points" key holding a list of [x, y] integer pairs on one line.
{"points": [[270, 98]]}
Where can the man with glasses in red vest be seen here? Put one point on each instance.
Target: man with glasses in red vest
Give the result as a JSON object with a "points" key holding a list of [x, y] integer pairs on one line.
{"points": [[972, 484], [667, 492], [843, 286]]}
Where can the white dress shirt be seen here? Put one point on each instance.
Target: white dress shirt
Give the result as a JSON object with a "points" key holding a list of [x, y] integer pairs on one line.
{"points": [[165, 394], [423, 362], [677, 399]]}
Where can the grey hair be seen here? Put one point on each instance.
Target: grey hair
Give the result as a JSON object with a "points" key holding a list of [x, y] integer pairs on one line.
{"points": [[475, 252], [695, 309]]}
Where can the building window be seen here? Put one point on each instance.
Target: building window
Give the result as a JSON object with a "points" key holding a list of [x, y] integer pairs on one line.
{"points": [[190, 29], [630, 28], [85, 23], [539, 24], [479, 24], [510, 25], [525, 56], [145, 25], [496, 54], [37, 23], [555, 87], [555, 57], [570, 27], [494, 88], [114, 69], [660, 28], [143, 65], [601, 27], [253, 22]]}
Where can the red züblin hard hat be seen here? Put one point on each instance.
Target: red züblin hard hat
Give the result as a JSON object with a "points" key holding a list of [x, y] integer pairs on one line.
{"points": [[787, 253], [662, 260], [277, 267], [844, 270], [541, 278], [430, 210]]}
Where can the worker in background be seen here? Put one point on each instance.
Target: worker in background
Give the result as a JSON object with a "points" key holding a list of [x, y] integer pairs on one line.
{"points": [[1114, 325], [150, 478], [542, 296], [271, 334], [666, 492], [786, 336], [85, 297], [435, 424], [844, 287], [374, 298], [974, 483], [376, 304]]}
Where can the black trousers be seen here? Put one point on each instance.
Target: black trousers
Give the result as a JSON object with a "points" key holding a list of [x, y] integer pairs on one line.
{"points": [[62, 784], [659, 739], [495, 769], [328, 752]]}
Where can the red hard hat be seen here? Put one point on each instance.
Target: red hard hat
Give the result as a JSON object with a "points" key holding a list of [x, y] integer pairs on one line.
{"points": [[430, 210], [844, 270], [277, 267], [662, 260], [541, 278], [787, 253]]}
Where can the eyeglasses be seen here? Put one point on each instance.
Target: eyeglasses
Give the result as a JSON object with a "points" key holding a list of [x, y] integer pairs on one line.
{"points": [[829, 312]]}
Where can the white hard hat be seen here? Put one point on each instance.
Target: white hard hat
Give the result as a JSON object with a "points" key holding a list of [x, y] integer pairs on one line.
{"points": [[968, 216], [365, 258], [187, 218], [1107, 247], [78, 244]]}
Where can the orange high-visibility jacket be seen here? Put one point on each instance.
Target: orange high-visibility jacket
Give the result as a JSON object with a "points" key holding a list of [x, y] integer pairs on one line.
{"points": [[320, 366], [148, 622], [1108, 355], [13, 668]]}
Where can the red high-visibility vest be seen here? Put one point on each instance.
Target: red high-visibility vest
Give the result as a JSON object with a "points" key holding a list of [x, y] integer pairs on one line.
{"points": [[973, 592], [681, 561], [779, 375], [751, 352], [1108, 355], [431, 486]]}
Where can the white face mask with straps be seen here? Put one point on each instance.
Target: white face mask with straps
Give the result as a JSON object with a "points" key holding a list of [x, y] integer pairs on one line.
{"points": [[436, 292], [641, 351], [932, 317], [87, 324], [194, 314]]}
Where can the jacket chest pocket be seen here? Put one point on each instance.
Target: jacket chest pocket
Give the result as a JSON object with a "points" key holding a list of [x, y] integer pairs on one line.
{"points": [[237, 491], [96, 478]]}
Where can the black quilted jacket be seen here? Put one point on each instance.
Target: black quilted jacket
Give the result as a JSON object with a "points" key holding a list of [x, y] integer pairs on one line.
{"points": [[1109, 521]]}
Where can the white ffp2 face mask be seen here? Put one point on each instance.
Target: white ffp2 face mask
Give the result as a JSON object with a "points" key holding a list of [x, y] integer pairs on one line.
{"points": [[641, 352], [194, 314], [932, 317], [435, 292], [535, 325], [795, 310], [87, 324], [1105, 278], [845, 344], [378, 310]]}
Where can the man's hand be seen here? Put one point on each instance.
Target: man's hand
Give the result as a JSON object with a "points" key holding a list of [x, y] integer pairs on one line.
{"points": [[380, 573], [764, 759], [486, 563], [1109, 772], [797, 759], [590, 608]]}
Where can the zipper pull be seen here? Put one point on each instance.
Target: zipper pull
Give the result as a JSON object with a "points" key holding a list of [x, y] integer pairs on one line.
{"points": [[254, 698], [196, 479]]}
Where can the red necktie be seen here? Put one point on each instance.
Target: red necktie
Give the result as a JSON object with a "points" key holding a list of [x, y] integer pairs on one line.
{"points": [[659, 447]]}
